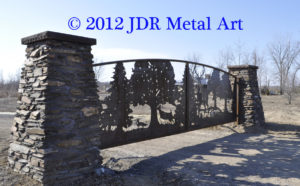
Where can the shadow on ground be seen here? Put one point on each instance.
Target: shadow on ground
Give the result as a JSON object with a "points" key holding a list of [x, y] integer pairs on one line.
{"points": [[271, 126], [232, 159], [246, 159]]}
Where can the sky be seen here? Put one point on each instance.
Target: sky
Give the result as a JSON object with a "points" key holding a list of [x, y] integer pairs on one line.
{"points": [[263, 21]]}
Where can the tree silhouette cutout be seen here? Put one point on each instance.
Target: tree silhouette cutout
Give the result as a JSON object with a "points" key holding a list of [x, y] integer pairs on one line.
{"points": [[153, 84], [200, 87], [214, 85], [226, 92], [118, 108], [180, 111]]}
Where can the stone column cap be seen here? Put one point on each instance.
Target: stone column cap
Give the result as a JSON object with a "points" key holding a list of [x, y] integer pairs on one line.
{"points": [[236, 67], [49, 35]]}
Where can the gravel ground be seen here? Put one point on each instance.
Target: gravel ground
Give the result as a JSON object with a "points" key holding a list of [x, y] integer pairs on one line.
{"points": [[211, 157]]}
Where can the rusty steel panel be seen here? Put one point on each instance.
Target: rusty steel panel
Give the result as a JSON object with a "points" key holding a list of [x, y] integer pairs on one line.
{"points": [[150, 98]]}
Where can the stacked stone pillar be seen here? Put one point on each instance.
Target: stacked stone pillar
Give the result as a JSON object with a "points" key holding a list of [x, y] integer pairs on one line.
{"points": [[55, 134], [251, 115]]}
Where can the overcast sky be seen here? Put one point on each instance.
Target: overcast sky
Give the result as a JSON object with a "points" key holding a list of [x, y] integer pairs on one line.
{"points": [[263, 21]]}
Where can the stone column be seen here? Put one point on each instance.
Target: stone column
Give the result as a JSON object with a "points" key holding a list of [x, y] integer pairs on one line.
{"points": [[251, 114], [55, 133]]}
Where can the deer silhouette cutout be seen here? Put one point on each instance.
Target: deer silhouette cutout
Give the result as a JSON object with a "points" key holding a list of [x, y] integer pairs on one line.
{"points": [[165, 115], [140, 124]]}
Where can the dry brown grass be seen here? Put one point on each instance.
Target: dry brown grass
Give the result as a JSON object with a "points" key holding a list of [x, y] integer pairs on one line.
{"points": [[277, 110]]}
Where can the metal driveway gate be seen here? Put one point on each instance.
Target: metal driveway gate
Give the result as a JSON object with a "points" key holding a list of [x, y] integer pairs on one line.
{"points": [[148, 98]]}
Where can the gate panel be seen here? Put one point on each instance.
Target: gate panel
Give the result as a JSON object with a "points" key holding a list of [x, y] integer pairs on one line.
{"points": [[211, 97], [144, 99]]}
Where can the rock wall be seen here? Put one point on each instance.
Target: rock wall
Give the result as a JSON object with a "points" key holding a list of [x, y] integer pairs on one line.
{"points": [[251, 114], [55, 134]]}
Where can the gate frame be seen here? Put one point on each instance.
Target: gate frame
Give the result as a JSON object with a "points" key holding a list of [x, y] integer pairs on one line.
{"points": [[234, 82]]}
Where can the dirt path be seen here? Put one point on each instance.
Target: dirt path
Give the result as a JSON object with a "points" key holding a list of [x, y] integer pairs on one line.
{"points": [[203, 157], [213, 157]]}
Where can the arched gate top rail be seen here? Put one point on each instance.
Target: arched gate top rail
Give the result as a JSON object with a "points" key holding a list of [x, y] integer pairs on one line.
{"points": [[160, 60]]}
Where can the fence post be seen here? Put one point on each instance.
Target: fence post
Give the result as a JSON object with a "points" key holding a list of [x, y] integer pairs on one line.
{"points": [[237, 101], [251, 114], [187, 98], [55, 134]]}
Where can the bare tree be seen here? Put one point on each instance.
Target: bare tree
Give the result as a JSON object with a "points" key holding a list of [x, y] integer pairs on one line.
{"points": [[225, 58], [9, 86], [1, 79], [267, 79], [284, 54], [2, 94], [240, 54], [259, 60], [290, 86], [235, 56], [98, 70], [247, 58], [193, 68], [13, 83], [195, 57]]}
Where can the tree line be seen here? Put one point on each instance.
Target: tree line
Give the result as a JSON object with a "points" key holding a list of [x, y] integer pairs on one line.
{"points": [[278, 65], [9, 87]]}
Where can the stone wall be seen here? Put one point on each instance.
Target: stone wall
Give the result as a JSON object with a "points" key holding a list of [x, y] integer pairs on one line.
{"points": [[251, 114], [55, 134]]}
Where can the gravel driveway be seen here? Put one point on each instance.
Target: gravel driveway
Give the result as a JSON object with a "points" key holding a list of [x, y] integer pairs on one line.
{"points": [[217, 156]]}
